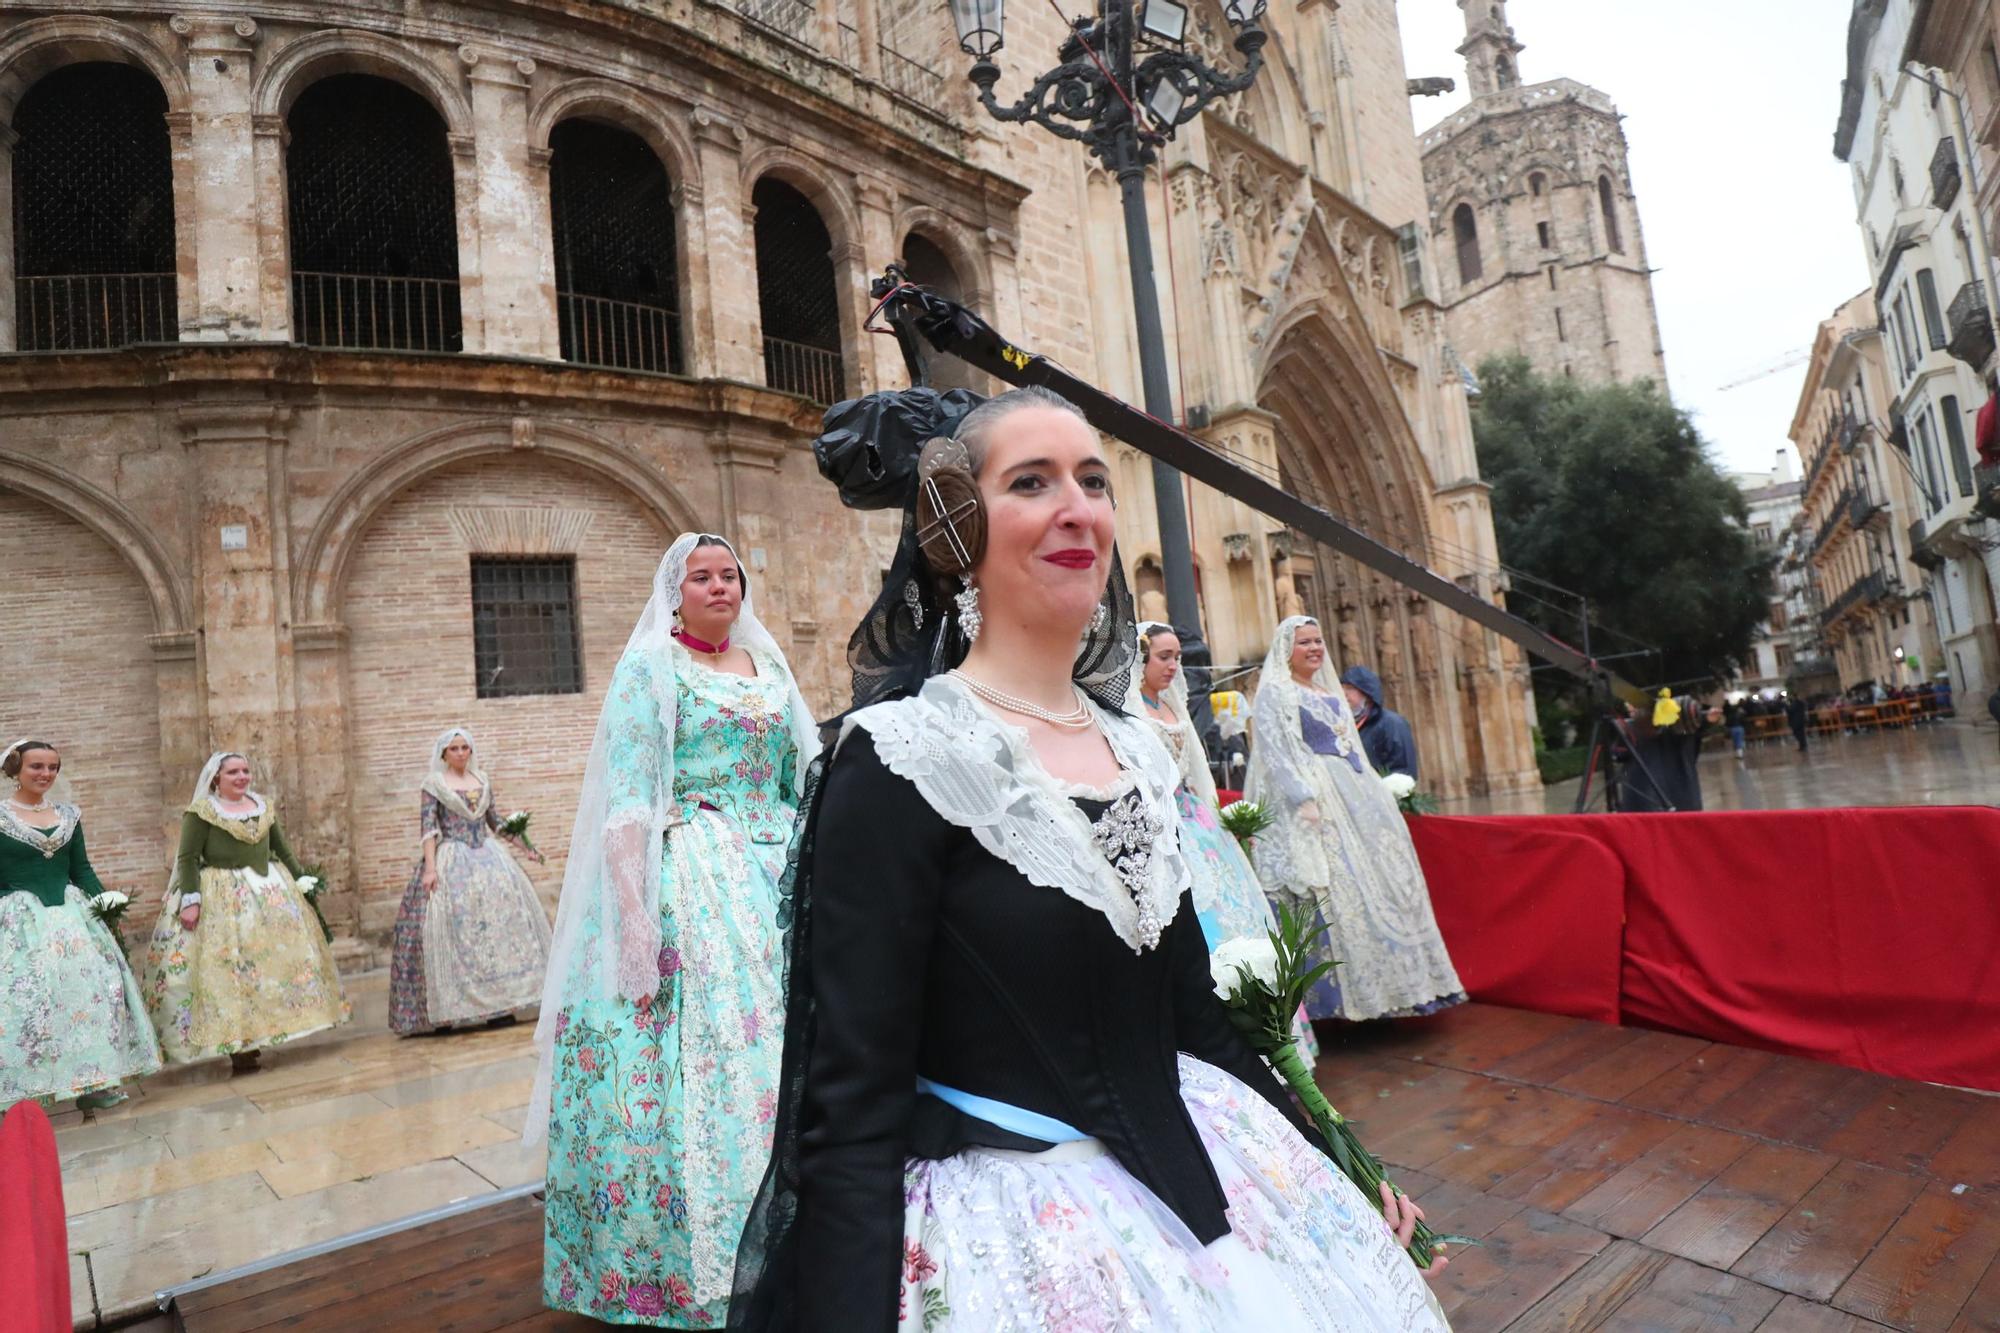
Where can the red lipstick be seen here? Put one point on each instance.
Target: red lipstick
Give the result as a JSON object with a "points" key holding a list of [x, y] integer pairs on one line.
{"points": [[1074, 558]]}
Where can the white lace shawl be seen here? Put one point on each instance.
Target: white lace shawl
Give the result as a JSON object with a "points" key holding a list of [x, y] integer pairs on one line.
{"points": [[439, 786], [17, 826], [980, 774]]}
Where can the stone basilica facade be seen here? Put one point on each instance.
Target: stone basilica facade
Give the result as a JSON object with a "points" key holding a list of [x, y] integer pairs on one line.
{"points": [[1534, 221], [360, 360]]}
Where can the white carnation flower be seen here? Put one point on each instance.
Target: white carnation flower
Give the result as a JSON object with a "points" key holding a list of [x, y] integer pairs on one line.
{"points": [[110, 899], [308, 884], [1399, 784], [1256, 956]]}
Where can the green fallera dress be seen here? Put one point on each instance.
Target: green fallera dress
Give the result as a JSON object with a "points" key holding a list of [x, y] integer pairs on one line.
{"points": [[71, 1018], [256, 970]]}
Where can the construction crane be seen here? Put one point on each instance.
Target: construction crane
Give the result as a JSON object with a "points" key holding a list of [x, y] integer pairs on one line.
{"points": [[1797, 356]]}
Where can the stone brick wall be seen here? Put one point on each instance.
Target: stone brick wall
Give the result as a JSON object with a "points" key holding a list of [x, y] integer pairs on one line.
{"points": [[75, 650], [408, 610]]}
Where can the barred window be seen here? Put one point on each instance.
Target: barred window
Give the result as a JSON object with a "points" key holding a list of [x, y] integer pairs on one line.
{"points": [[524, 638], [797, 294], [617, 295], [374, 228], [93, 211]]}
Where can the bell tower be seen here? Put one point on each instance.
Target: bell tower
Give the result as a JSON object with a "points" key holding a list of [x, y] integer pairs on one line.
{"points": [[1492, 56]]}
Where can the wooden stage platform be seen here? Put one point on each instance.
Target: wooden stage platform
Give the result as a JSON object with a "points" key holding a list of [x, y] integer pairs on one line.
{"points": [[1618, 1179]]}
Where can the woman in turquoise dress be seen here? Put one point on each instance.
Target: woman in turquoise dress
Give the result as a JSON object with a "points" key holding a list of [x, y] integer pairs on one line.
{"points": [[72, 1023], [1228, 901], [662, 1021]]}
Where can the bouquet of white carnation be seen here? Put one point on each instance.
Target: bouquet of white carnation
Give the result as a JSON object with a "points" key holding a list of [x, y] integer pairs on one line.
{"points": [[312, 888], [1411, 801], [515, 826], [1263, 982], [109, 907]]}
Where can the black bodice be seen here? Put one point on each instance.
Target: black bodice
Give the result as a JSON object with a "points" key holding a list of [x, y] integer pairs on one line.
{"points": [[930, 956]]}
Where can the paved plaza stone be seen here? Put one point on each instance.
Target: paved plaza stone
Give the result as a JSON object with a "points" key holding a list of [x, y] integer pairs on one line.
{"points": [[1944, 763]]}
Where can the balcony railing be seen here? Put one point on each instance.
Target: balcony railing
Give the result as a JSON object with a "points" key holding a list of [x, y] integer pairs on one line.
{"points": [[813, 372], [912, 78], [1852, 431], [1869, 588], [1838, 512], [1863, 507], [1971, 326], [375, 312], [793, 18], [623, 335], [1944, 173], [77, 311]]}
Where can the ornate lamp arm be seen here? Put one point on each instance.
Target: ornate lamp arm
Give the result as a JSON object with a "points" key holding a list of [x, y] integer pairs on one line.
{"points": [[1070, 101], [1199, 82]]}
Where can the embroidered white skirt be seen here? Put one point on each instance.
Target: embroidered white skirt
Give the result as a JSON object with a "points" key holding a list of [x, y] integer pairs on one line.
{"points": [[1003, 1242]]}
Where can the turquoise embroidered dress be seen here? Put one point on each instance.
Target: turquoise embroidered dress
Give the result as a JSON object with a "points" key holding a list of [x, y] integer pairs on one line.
{"points": [[71, 1019], [661, 1111]]}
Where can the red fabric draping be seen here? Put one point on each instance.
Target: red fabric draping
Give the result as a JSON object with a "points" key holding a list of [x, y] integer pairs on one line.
{"points": [[1986, 437], [1532, 915], [34, 1237], [1870, 937]]}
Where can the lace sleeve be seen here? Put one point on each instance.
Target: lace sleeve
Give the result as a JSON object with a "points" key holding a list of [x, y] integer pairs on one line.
{"points": [[636, 750], [1278, 749]]}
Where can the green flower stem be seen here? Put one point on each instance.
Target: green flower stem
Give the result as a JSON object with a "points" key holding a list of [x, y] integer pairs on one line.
{"points": [[1356, 1161]]}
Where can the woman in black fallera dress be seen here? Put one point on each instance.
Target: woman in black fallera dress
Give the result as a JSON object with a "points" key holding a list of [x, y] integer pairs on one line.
{"points": [[1012, 1099]]}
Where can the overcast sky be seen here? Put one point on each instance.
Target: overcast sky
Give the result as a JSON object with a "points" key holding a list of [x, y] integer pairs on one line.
{"points": [[1729, 112]]}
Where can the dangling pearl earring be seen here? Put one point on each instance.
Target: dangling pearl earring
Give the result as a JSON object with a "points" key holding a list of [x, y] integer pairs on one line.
{"points": [[914, 599], [967, 599], [678, 627]]}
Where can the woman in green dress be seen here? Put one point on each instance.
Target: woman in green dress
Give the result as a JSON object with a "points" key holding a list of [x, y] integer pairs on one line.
{"points": [[71, 1021], [237, 961]]}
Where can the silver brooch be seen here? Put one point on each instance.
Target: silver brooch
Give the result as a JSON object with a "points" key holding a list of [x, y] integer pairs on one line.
{"points": [[1126, 833]]}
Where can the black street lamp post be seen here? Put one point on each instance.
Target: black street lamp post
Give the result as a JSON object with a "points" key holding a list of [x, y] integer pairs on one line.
{"points": [[1136, 46]]}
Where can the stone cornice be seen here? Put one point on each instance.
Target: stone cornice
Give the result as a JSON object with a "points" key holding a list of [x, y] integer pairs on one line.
{"points": [[285, 377]]}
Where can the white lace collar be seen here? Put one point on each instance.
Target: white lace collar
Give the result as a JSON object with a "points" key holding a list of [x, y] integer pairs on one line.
{"points": [[980, 774], [16, 825]]}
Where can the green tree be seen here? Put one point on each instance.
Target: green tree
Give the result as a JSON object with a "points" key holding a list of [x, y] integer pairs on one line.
{"points": [[1608, 490]]}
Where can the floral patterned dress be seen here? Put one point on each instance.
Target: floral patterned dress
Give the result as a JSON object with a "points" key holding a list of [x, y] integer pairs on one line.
{"points": [[1228, 901], [476, 945], [1354, 864], [661, 1112], [256, 970], [71, 1020]]}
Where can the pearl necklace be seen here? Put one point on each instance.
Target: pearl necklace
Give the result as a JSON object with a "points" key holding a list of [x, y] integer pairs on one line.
{"points": [[18, 804], [1075, 720]]}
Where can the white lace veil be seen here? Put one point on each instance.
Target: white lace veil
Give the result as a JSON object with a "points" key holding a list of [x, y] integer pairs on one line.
{"points": [[434, 779], [612, 875], [1193, 757], [60, 791]]}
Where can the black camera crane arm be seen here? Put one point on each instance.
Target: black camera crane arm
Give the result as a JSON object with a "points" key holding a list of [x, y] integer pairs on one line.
{"points": [[956, 331]]}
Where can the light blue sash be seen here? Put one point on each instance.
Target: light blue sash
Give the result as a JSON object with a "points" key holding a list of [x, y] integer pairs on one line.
{"points": [[1015, 1119]]}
